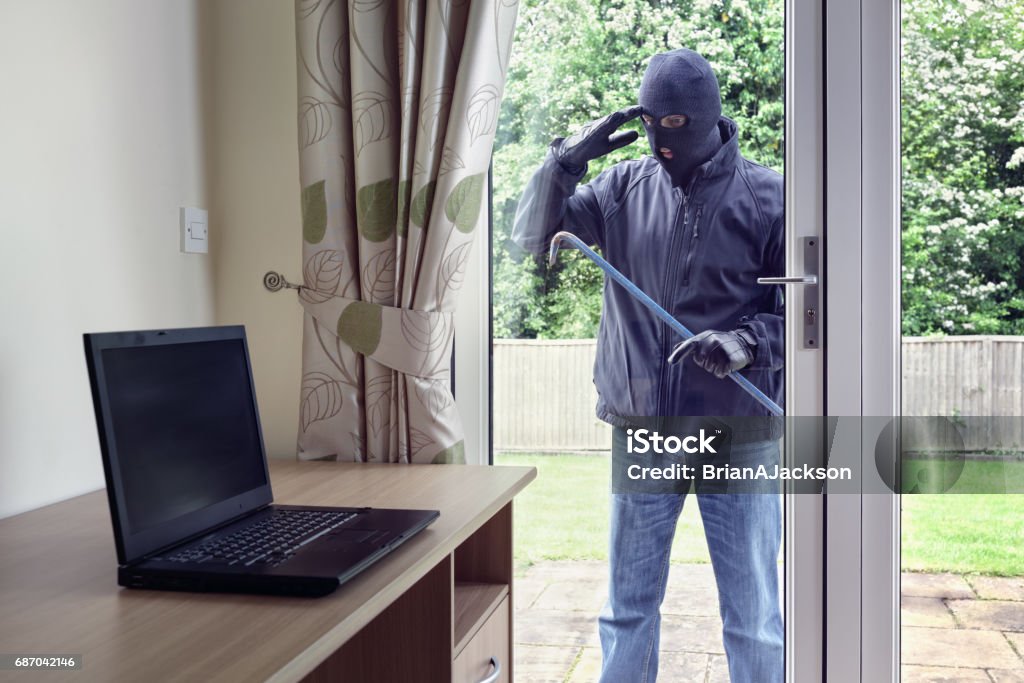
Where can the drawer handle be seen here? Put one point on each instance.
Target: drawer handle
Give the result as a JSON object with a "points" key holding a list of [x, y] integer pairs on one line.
{"points": [[494, 674]]}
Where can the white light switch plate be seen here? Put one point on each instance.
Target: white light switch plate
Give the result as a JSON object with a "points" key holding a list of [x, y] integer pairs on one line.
{"points": [[195, 230]]}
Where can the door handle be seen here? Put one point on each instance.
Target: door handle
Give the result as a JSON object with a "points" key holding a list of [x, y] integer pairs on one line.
{"points": [[496, 674], [811, 298], [789, 280]]}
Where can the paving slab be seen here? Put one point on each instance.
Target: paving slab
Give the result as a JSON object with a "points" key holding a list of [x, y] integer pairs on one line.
{"points": [[527, 590], [584, 595], [938, 674], [935, 586], [691, 590], [682, 667], [691, 634], [718, 669], [925, 612], [556, 628], [1017, 642], [673, 667], [998, 587], [966, 648], [557, 604], [989, 615], [541, 664], [569, 570], [1007, 675], [588, 668]]}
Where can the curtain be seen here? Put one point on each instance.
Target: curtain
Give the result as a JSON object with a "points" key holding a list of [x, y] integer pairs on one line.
{"points": [[398, 107]]}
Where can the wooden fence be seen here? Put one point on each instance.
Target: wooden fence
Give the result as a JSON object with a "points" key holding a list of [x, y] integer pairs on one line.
{"points": [[544, 394]]}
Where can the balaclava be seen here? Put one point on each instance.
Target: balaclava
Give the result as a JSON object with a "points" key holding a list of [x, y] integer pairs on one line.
{"points": [[682, 82]]}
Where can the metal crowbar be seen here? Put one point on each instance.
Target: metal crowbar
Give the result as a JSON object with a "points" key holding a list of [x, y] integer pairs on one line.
{"points": [[650, 303]]}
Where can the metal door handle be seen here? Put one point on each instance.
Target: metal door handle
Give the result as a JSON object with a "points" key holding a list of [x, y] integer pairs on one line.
{"points": [[809, 299], [791, 280], [494, 674]]}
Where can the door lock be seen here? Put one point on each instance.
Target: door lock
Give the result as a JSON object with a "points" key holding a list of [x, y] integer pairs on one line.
{"points": [[811, 302]]}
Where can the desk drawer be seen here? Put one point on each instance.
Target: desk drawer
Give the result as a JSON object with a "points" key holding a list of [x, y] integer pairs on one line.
{"points": [[473, 664]]}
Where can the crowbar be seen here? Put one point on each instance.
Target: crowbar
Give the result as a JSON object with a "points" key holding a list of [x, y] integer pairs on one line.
{"points": [[650, 303]]}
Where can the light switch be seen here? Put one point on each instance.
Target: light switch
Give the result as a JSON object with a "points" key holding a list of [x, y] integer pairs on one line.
{"points": [[195, 230]]}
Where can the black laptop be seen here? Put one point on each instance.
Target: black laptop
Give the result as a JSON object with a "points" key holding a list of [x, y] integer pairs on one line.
{"points": [[187, 475]]}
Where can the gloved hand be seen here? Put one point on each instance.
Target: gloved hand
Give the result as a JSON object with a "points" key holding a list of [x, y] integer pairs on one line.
{"points": [[595, 139], [718, 352]]}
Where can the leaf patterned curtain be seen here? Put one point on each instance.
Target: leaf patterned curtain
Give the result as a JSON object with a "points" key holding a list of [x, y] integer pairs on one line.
{"points": [[398, 106]]}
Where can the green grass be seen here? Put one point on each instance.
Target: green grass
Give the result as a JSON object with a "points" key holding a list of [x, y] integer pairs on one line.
{"points": [[972, 533], [970, 477], [975, 528], [563, 515]]}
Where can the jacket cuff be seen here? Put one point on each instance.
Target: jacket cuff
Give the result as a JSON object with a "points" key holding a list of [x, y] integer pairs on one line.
{"points": [[572, 175], [763, 350]]}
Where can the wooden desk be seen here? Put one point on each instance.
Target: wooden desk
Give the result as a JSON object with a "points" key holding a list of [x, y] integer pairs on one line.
{"points": [[444, 595]]}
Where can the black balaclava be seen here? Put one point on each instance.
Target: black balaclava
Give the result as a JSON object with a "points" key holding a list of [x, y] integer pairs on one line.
{"points": [[682, 82]]}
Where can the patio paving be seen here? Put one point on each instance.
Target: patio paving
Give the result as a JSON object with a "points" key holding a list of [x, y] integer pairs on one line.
{"points": [[955, 628]]}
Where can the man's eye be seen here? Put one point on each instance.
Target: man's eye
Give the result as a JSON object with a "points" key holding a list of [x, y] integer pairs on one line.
{"points": [[647, 119], [674, 121]]}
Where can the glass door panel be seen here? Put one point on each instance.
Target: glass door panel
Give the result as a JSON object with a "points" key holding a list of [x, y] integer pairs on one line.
{"points": [[573, 63], [962, 602]]}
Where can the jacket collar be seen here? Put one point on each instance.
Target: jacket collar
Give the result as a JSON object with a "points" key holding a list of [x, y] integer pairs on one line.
{"points": [[726, 157]]}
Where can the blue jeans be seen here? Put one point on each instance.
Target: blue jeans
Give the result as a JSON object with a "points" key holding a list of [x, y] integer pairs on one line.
{"points": [[743, 533]]}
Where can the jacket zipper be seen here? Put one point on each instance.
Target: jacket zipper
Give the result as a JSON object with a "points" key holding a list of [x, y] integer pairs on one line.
{"points": [[693, 245], [669, 277]]}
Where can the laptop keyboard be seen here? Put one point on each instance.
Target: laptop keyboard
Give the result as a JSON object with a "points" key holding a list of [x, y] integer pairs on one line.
{"points": [[272, 540]]}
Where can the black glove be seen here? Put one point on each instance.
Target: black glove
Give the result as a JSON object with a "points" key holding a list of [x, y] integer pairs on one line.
{"points": [[718, 352], [595, 139]]}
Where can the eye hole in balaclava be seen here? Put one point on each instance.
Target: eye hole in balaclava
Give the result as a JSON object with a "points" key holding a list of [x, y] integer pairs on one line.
{"points": [[680, 85]]}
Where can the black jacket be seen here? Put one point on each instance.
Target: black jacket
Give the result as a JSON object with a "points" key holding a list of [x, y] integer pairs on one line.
{"points": [[698, 253]]}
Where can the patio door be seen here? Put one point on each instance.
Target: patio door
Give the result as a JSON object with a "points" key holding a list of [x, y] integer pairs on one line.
{"points": [[819, 243], [961, 370]]}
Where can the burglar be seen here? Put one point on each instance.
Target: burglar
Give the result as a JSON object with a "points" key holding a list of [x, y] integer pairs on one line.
{"points": [[694, 225]]}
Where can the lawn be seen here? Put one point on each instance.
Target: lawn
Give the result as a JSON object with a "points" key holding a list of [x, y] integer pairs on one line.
{"points": [[966, 531], [563, 515]]}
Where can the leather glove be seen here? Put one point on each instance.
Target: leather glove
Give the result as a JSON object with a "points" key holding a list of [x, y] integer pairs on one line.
{"points": [[595, 139], [718, 352]]}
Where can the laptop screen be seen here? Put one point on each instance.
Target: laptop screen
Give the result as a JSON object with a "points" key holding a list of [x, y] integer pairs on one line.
{"points": [[179, 431], [184, 427]]}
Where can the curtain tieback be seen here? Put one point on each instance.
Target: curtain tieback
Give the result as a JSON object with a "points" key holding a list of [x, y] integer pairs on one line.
{"points": [[417, 343]]}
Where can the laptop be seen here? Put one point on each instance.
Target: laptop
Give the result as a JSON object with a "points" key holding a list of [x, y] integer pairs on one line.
{"points": [[187, 477]]}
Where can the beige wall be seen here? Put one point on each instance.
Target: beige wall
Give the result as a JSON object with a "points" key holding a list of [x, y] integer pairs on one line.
{"points": [[249, 47], [102, 141], [114, 113]]}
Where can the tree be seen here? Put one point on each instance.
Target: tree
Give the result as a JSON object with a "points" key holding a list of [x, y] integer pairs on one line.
{"points": [[963, 181], [574, 61], [962, 138]]}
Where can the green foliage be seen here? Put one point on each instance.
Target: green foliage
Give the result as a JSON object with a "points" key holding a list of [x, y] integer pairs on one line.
{"points": [[963, 143], [576, 60], [963, 181]]}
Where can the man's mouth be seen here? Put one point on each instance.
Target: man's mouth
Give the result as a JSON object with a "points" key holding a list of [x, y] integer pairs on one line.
{"points": [[665, 152]]}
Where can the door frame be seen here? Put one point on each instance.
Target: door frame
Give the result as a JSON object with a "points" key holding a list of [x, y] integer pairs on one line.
{"points": [[862, 218], [804, 532]]}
